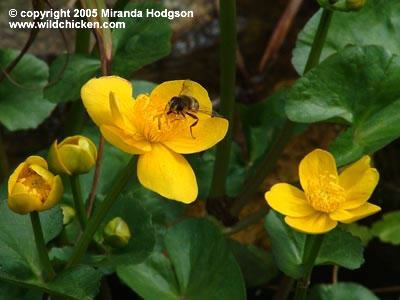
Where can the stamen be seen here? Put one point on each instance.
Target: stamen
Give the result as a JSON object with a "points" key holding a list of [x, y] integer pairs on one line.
{"points": [[324, 193]]}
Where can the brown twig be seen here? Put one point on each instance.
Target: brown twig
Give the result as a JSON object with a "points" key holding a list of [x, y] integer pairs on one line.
{"points": [[388, 289], [105, 69], [280, 32], [92, 194], [5, 72], [335, 272]]}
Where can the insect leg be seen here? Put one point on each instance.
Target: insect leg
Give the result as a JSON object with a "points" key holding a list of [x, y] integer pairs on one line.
{"points": [[194, 124]]}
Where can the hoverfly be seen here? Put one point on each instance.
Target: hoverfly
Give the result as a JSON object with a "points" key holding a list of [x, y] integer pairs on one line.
{"points": [[185, 105]]}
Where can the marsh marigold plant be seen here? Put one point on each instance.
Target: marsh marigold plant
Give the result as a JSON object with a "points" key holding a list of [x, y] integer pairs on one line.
{"points": [[143, 126], [328, 198]]}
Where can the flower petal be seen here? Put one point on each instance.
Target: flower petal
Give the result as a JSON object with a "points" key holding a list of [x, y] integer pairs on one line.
{"points": [[169, 89], [55, 161], [288, 200], [317, 163], [206, 134], [23, 203], [96, 97], [57, 189], [359, 181], [37, 160], [316, 223], [358, 213], [168, 174], [122, 141], [14, 177]]}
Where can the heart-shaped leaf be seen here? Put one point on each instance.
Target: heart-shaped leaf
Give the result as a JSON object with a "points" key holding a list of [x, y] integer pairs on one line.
{"points": [[20, 263], [192, 271], [375, 24], [388, 229], [358, 86], [23, 107], [80, 68], [342, 290], [142, 41]]}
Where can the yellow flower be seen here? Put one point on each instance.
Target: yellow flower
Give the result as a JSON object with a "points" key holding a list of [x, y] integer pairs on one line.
{"points": [[74, 155], [143, 127], [32, 187], [327, 197]]}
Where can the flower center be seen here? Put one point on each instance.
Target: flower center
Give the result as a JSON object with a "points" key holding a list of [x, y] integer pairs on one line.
{"points": [[325, 194], [35, 184], [152, 120]]}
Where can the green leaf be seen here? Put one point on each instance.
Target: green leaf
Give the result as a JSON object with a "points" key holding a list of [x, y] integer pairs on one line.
{"points": [[78, 282], [338, 247], [10, 291], [197, 272], [79, 70], [22, 108], [142, 231], [142, 41], [257, 265], [153, 279], [287, 245], [18, 254], [350, 29], [358, 86], [20, 263], [348, 291], [341, 248], [142, 87], [388, 229], [364, 233]]}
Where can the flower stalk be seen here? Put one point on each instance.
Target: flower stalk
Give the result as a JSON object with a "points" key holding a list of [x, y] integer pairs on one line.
{"points": [[311, 248], [271, 156], [41, 246], [100, 214], [78, 201], [227, 92]]}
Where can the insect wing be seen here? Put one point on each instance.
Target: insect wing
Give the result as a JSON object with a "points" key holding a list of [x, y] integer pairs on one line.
{"points": [[187, 88], [211, 113]]}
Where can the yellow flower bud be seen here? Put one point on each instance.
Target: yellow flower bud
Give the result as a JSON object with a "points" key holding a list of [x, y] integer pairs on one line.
{"points": [[74, 155], [355, 4], [32, 187], [116, 233], [68, 214]]}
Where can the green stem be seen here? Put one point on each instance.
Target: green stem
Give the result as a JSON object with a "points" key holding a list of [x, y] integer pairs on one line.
{"points": [[319, 40], [78, 201], [272, 154], [311, 248], [41, 246], [100, 214], [3, 159], [227, 91]]}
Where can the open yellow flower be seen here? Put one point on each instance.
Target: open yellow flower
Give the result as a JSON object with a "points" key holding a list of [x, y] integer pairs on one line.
{"points": [[143, 127], [32, 187], [327, 197]]}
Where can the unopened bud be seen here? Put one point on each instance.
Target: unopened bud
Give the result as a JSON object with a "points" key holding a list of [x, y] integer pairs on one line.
{"points": [[116, 233]]}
